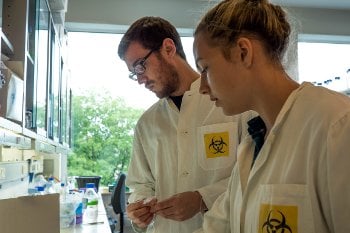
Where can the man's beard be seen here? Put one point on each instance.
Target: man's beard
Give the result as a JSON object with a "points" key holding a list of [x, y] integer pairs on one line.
{"points": [[168, 79]]}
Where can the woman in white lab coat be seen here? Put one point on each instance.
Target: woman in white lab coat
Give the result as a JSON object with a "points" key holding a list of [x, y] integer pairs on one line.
{"points": [[296, 179]]}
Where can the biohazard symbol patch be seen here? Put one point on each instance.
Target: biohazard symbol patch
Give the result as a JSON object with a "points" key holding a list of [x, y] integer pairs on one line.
{"points": [[278, 219], [217, 144]]}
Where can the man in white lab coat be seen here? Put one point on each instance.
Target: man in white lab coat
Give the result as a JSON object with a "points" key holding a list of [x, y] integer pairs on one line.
{"points": [[184, 146]]}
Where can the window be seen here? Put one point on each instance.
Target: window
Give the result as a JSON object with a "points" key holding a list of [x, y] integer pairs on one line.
{"points": [[102, 135], [325, 64], [95, 65]]}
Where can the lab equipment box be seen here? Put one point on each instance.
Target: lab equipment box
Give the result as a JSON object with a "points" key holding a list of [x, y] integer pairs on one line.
{"points": [[11, 91]]}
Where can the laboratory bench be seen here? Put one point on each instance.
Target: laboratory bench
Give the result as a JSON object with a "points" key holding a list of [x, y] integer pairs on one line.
{"points": [[105, 211], [101, 226]]}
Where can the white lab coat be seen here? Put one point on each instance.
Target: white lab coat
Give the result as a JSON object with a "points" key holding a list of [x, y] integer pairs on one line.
{"points": [[300, 179], [169, 154]]}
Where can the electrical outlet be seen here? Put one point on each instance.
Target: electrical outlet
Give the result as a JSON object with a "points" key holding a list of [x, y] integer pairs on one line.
{"points": [[2, 173]]}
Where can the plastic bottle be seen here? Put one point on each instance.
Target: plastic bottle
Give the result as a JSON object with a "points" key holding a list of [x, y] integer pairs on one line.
{"points": [[40, 181], [79, 214], [91, 198], [32, 190], [70, 183], [50, 186], [40, 190], [63, 192]]}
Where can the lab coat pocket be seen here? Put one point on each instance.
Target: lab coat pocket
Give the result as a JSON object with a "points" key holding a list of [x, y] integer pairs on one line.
{"points": [[217, 145], [286, 207]]}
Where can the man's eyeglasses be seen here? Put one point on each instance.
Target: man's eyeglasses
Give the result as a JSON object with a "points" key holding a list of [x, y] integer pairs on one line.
{"points": [[139, 67]]}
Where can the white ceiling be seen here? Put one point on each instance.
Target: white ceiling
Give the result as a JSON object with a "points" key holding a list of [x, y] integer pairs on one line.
{"points": [[331, 4]]}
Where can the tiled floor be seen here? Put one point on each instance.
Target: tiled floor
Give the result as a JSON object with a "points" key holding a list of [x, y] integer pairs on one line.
{"points": [[114, 217], [127, 226], [128, 230]]}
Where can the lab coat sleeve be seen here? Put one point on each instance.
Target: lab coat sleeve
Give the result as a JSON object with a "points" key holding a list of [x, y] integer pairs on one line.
{"points": [[140, 178], [217, 218], [211, 192], [338, 173]]}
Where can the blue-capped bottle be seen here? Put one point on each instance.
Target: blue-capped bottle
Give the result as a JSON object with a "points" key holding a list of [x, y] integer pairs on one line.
{"points": [[91, 202], [40, 190], [50, 186]]}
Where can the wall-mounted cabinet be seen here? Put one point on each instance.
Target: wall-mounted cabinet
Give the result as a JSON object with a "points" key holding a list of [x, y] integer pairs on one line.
{"points": [[34, 82], [34, 103], [36, 43]]}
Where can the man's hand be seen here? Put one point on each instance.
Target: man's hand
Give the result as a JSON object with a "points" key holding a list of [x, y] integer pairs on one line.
{"points": [[179, 207], [140, 212]]}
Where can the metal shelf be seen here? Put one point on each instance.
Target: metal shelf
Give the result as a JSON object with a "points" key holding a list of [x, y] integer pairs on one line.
{"points": [[8, 138], [6, 45]]}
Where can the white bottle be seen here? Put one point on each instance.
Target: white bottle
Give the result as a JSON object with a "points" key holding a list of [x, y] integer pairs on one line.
{"points": [[91, 199], [40, 181], [50, 186], [63, 192]]}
